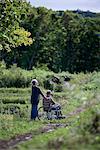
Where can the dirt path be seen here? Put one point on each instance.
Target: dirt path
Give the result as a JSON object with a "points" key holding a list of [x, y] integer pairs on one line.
{"points": [[7, 144]]}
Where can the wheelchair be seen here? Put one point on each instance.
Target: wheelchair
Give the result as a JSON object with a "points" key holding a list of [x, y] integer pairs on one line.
{"points": [[54, 112]]}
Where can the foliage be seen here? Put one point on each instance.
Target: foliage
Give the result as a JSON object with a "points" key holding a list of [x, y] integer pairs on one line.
{"points": [[11, 33], [63, 41], [66, 40], [15, 77], [80, 103]]}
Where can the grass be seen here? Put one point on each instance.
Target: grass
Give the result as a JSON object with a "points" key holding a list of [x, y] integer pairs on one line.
{"points": [[76, 134], [11, 127], [81, 131]]}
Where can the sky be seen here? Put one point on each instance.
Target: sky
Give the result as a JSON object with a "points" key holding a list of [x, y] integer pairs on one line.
{"points": [[91, 5]]}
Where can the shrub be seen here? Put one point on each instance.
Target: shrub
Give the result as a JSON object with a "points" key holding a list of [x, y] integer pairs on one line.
{"points": [[58, 88], [48, 85], [15, 77]]}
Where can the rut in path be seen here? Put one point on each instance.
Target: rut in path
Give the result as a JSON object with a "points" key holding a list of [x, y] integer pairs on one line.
{"points": [[6, 144]]}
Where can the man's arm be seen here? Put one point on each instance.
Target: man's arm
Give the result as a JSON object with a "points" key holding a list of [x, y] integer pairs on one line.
{"points": [[42, 94]]}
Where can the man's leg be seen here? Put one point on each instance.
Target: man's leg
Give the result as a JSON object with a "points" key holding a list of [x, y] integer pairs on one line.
{"points": [[34, 112]]}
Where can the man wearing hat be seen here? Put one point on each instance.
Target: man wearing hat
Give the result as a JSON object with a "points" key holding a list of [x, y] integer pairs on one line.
{"points": [[35, 99]]}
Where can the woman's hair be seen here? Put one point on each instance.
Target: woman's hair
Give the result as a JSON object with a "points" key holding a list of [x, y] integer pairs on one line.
{"points": [[49, 92]]}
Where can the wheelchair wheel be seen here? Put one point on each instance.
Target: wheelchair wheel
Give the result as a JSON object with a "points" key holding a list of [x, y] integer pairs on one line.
{"points": [[41, 114], [55, 113]]}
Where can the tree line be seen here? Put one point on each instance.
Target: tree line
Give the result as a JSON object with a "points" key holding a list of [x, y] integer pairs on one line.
{"points": [[60, 40]]}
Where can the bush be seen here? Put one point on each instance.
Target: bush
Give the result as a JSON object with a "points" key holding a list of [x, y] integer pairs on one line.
{"points": [[48, 85], [15, 109], [41, 75], [58, 88], [15, 77]]}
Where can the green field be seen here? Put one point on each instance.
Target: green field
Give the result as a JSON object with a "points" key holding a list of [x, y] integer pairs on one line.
{"points": [[80, 100]]}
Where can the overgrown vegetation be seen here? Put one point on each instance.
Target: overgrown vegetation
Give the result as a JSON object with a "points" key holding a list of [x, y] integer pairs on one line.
{"points": [[66, 41], [80, 100]]}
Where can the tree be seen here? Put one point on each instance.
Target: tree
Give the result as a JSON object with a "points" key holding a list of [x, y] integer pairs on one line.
{"points": [[11, 33]]}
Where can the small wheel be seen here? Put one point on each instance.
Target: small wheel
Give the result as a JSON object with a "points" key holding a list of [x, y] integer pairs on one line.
{"points": [[52, 114], [55, 113], [41, 114]]}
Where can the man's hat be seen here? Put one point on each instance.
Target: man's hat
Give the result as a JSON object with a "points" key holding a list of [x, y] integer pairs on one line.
{"points": [[34, 82]]}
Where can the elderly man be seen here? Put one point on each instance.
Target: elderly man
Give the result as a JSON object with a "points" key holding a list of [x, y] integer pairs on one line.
{"points": [[35, 99]]}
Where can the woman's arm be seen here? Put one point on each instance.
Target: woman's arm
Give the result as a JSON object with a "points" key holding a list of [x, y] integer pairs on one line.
{"points": [[52, 102]]}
